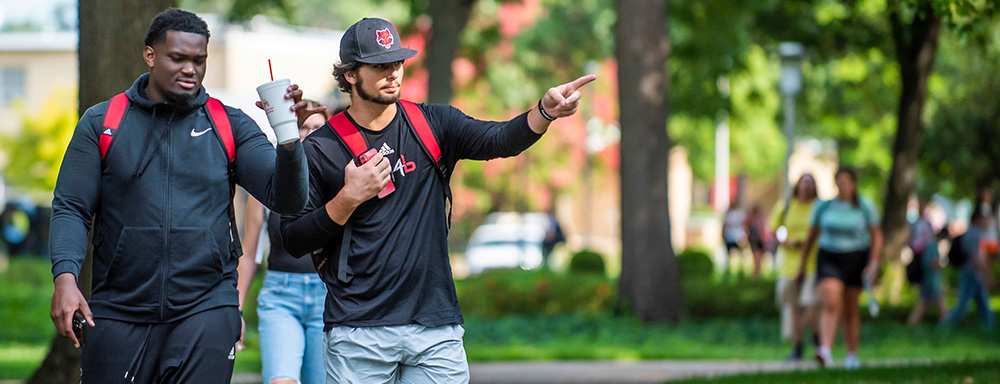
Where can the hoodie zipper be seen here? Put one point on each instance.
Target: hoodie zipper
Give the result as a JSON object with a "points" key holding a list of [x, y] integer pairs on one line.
{"points": [[164, 265]]}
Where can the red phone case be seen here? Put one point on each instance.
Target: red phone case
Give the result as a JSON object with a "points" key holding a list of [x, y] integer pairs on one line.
{"points": [[390, 187]]}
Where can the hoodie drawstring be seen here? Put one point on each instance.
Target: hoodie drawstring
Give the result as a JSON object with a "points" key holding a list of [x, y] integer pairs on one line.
{"points": [[147, 154], [136, 363]]}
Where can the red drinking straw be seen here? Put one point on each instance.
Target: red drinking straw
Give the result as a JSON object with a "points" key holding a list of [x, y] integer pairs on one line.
{"points": [[269, 69]]}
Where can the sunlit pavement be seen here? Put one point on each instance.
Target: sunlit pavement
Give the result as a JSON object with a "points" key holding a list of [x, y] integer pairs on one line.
{"points": [[608, 372], [626, 372]]}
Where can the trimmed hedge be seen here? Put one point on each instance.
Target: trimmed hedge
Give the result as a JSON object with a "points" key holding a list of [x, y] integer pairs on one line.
{"points": [[695, 264], [496, 293], [587, 261]]}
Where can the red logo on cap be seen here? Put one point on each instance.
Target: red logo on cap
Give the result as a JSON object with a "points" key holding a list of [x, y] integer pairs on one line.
{"points": [[384, 38]]}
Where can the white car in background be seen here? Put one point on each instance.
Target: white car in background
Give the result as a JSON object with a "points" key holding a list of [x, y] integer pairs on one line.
{"points": [[507, 240]]}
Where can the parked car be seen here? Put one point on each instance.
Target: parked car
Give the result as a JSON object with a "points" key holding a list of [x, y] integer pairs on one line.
{"points": [[503, 242]]}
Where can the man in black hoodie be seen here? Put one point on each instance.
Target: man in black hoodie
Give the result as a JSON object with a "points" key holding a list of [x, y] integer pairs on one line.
{"points": [[159, 200]]}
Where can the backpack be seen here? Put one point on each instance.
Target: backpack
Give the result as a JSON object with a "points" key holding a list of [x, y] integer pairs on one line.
{"points": [[224, 132], [355, 143], [957, 256], [915, 269], [216, 112]]}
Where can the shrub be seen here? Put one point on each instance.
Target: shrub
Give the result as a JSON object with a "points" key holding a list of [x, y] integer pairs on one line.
{"points": [[695, 264], [704, 298], [504, 292], [587, 261]]}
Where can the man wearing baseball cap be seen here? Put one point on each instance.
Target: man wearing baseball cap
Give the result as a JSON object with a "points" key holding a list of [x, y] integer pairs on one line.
{"points": [[392, 314]]}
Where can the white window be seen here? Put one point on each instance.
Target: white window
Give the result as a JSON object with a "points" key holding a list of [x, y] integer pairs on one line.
{"points": [[12, 85]]}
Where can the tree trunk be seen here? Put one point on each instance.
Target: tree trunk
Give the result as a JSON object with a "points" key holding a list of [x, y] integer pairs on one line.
{"points": [[650, 281], [110, 54], [449, 18], [916, 45], [111, 42]]}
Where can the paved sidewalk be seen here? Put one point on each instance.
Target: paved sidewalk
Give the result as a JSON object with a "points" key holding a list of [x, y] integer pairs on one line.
{"points": [[620, 372], [603, 372], [627, 372]]}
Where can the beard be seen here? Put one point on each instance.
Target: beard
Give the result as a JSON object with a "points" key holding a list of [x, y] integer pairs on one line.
{"points": [[178, 99], [377, 98]]}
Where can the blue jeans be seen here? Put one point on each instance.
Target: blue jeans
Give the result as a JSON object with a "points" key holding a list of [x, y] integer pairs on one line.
{"points": [[971, 287], [290, 313]]}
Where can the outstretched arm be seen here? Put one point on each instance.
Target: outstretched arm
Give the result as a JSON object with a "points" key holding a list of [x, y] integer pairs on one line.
{"points": [[558, 101]]}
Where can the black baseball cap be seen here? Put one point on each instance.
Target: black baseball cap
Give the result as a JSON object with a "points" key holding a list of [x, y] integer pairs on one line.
{"points": [[373, 41]]}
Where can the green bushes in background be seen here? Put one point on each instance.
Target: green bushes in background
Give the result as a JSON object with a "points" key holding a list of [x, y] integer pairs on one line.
{"points": [[25, 293], [516, 292], [695, 264], [587, 261], [705, 298]]}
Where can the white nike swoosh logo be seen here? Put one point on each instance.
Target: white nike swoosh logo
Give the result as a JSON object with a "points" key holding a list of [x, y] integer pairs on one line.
{"points": [[199, 133]]}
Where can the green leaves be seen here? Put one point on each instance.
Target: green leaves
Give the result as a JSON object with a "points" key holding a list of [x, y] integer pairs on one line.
{"points": [[34, 153]]}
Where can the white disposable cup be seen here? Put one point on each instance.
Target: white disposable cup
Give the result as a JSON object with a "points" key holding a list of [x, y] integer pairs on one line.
{"points": [[279, 110]]}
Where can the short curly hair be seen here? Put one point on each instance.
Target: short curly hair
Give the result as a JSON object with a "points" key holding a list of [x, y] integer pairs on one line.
{"points": [[174, 19], [340, 69]]}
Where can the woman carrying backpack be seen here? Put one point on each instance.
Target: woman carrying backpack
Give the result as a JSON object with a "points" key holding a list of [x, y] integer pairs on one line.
{"points": [[927, 262], [847, 232]]}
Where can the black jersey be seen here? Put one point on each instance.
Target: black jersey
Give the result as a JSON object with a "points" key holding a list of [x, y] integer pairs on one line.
{"points": [[277, 258], [398, 251]]}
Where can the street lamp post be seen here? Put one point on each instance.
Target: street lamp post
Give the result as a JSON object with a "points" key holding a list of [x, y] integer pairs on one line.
{"points": [[791, 84]]}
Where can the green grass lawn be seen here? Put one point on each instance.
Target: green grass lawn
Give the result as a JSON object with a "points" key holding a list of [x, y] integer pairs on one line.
{"points": [[582, 338]]}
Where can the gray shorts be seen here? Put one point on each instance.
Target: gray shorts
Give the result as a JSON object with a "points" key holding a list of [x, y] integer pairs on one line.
{"points": [[396, 354]]}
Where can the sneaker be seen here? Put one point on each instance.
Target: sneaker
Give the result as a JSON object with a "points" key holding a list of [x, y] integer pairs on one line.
{"points": [[852, 362], [824, 359], [793, 357]]}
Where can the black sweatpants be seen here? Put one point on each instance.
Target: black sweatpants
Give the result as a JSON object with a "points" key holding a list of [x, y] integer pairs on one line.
{"points": [[196, 349]]}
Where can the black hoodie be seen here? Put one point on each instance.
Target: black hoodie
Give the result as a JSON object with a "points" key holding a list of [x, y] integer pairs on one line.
{"points": [[163, 249]]}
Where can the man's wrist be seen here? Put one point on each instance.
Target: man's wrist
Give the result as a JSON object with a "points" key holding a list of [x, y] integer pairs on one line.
{"points": [[545, 115], [68, 277], [340, 208]]}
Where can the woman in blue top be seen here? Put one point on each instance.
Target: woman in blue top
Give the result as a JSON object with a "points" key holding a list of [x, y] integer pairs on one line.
{"points": [[849, 238]]}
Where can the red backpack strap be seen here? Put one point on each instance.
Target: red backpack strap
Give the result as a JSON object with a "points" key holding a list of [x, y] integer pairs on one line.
{"points": [[112, 118], [419, 122], [350, 136], [220, 119], [348, 133]]}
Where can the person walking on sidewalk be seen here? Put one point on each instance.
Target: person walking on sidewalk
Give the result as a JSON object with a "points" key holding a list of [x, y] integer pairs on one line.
{"points": [[850, 241], [974, 276], [392, 314], [924, 244], [791, 225], [157, 166]]}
